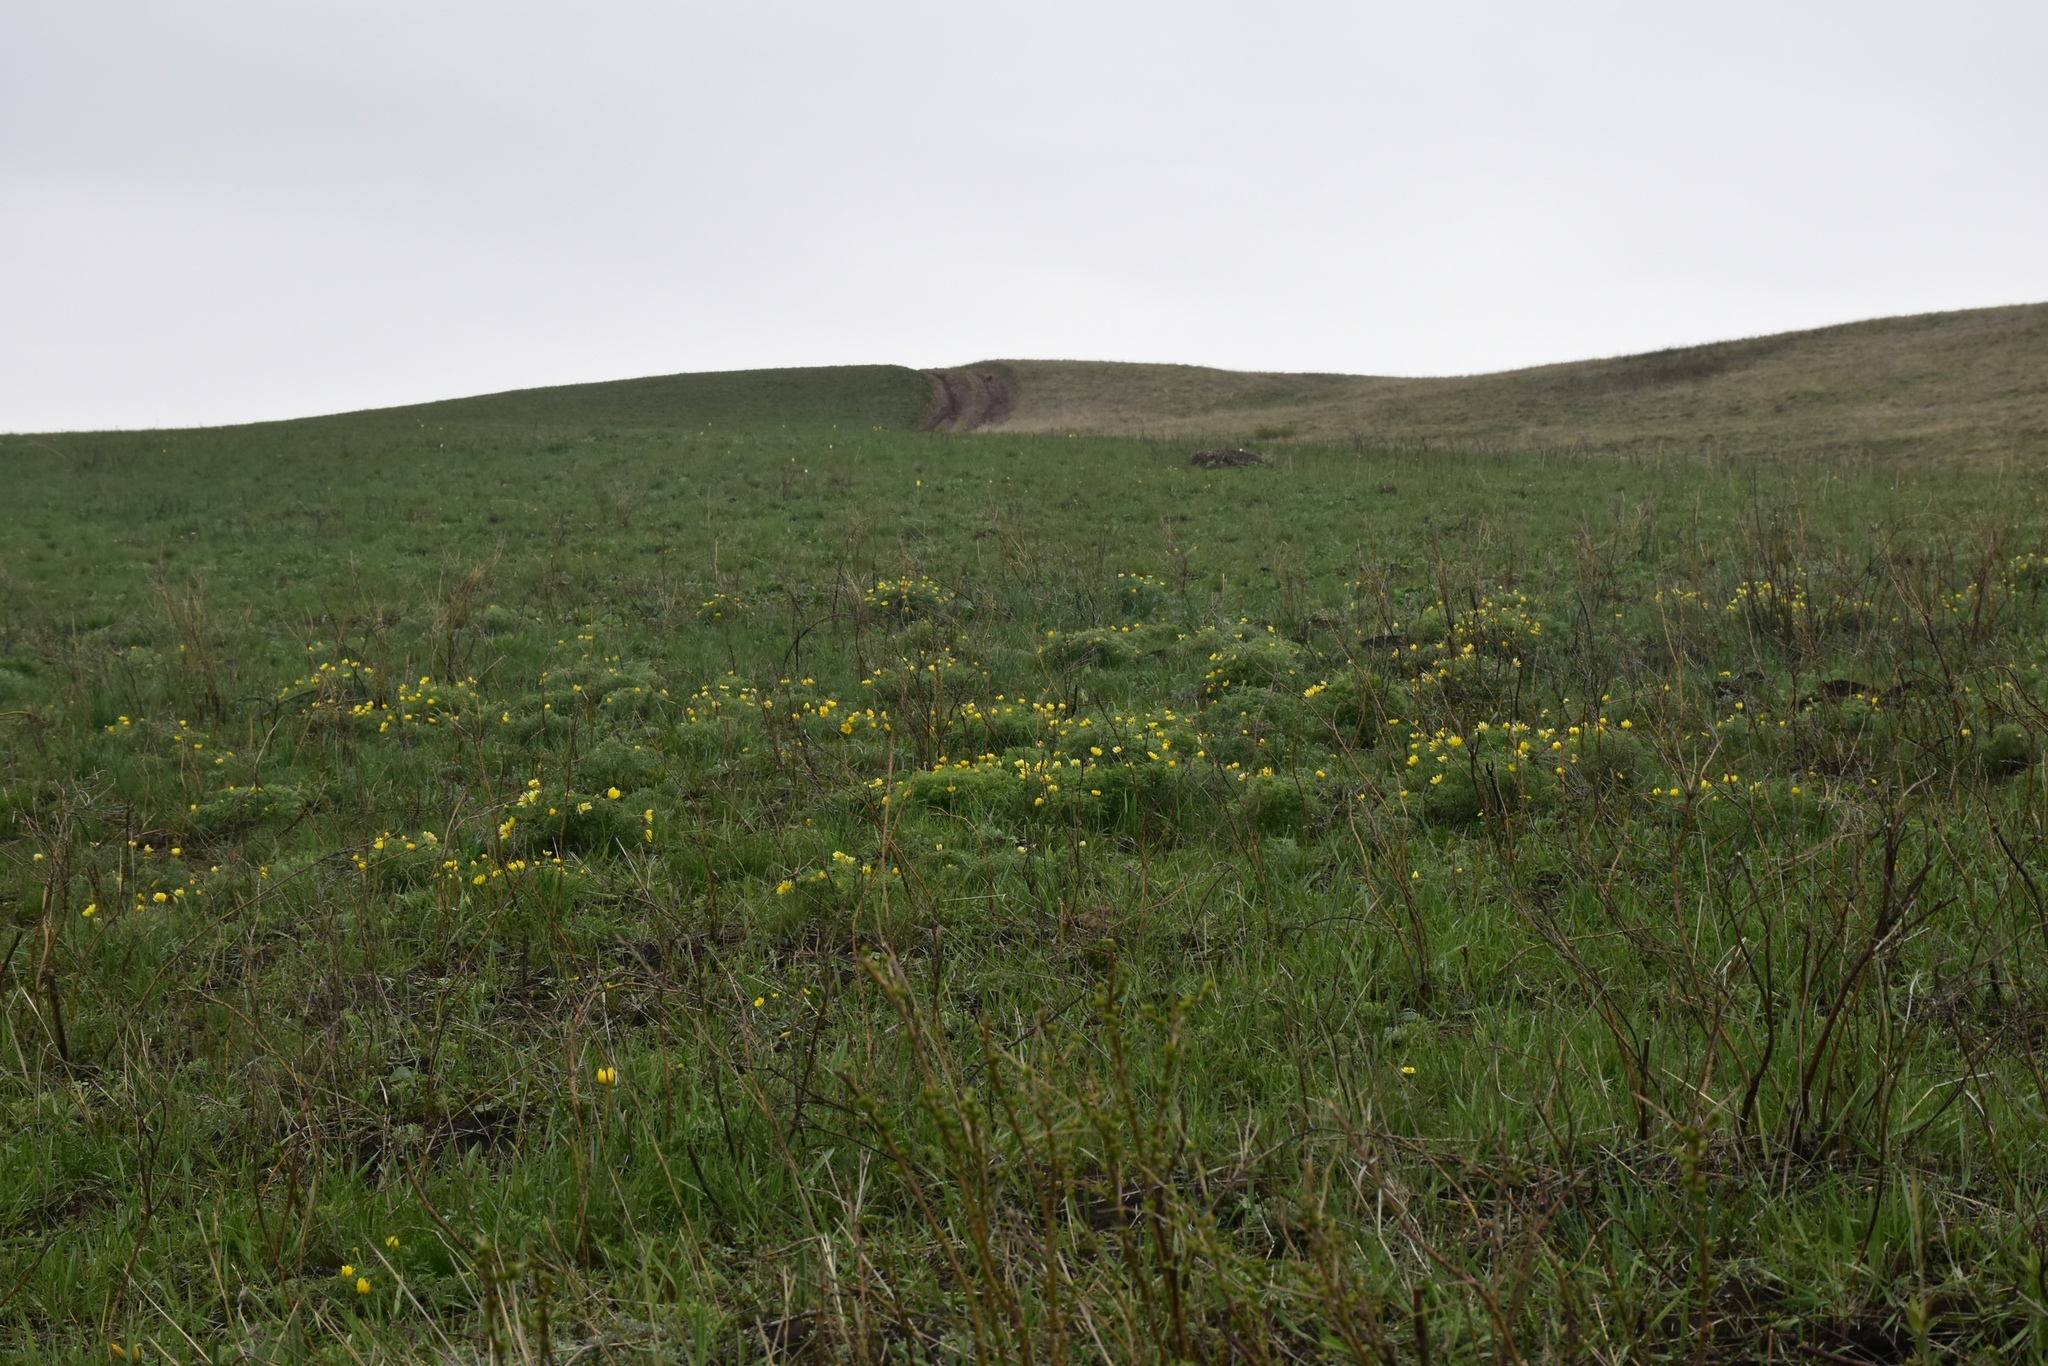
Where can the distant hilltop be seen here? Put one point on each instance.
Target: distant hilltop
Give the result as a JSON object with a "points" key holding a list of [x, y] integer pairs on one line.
{"points": [[1965, 387], [1937, 386]]}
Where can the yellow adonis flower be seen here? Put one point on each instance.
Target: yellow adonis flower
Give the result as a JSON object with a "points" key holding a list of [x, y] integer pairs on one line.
{"points": [[607, 1076], [362, 1285]]}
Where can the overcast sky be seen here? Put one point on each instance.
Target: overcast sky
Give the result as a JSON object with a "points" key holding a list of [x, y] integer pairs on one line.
{"points": [[216, 212]]}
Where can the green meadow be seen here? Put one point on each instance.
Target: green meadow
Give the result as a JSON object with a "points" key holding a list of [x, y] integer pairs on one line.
{"points": [[699, 871]]}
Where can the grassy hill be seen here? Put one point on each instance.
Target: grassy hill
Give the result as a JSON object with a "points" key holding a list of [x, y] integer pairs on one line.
{"points": [[1941, 386], [850, 395], [699, 870], [751, 401], [1948, 388]]}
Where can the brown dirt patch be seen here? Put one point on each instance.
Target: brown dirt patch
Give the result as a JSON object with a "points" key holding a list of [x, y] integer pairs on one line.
{"points": [[968, 399]]}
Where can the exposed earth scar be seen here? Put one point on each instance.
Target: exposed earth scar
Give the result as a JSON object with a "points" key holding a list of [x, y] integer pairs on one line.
{"points": [[965, 400]]}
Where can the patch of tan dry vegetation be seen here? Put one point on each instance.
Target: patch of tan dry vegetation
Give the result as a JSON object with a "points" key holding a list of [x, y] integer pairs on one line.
{"points": [[1969, 386]]}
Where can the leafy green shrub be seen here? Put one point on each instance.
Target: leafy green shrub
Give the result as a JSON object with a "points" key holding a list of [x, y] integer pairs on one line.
{"points": [[1739, 815], [721, 854], [1139, 597], [1028, 784], [2005, 751], [1609, 760], [1101, 648], [243, 808], [810, 911], [1850, 734], [533, 719], [1146, 797], [995, 728], [906, 599], [23, 677], [1507, 625], [1449, 797], [615, 763], [591, 825], [925, 683], [1109, 647], [634, 690], [1278, 804], [1265, 713], [1247, 660], [1865, 718], [723, 609], [1353, 708], [981, 791]]}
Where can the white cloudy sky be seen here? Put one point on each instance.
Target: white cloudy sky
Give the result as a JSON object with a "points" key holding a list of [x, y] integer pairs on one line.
{"points": [[217, 212]]}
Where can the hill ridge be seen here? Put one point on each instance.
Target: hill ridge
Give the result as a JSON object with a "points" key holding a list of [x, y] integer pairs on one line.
{"points": [[1971, 382], [1962, 386]]}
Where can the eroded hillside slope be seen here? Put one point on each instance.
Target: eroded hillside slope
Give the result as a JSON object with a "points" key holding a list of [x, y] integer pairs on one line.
{"points": [[1967, 385]]}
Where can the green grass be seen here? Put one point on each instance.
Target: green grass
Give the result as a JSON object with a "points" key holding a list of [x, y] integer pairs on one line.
{"points": [[937, 1033], [735, 400]]}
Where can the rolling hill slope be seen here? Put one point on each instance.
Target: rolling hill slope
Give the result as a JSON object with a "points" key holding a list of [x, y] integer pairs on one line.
{"points": [[1941, 386], [865, 395], [889, 396], [1968, 387]]}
